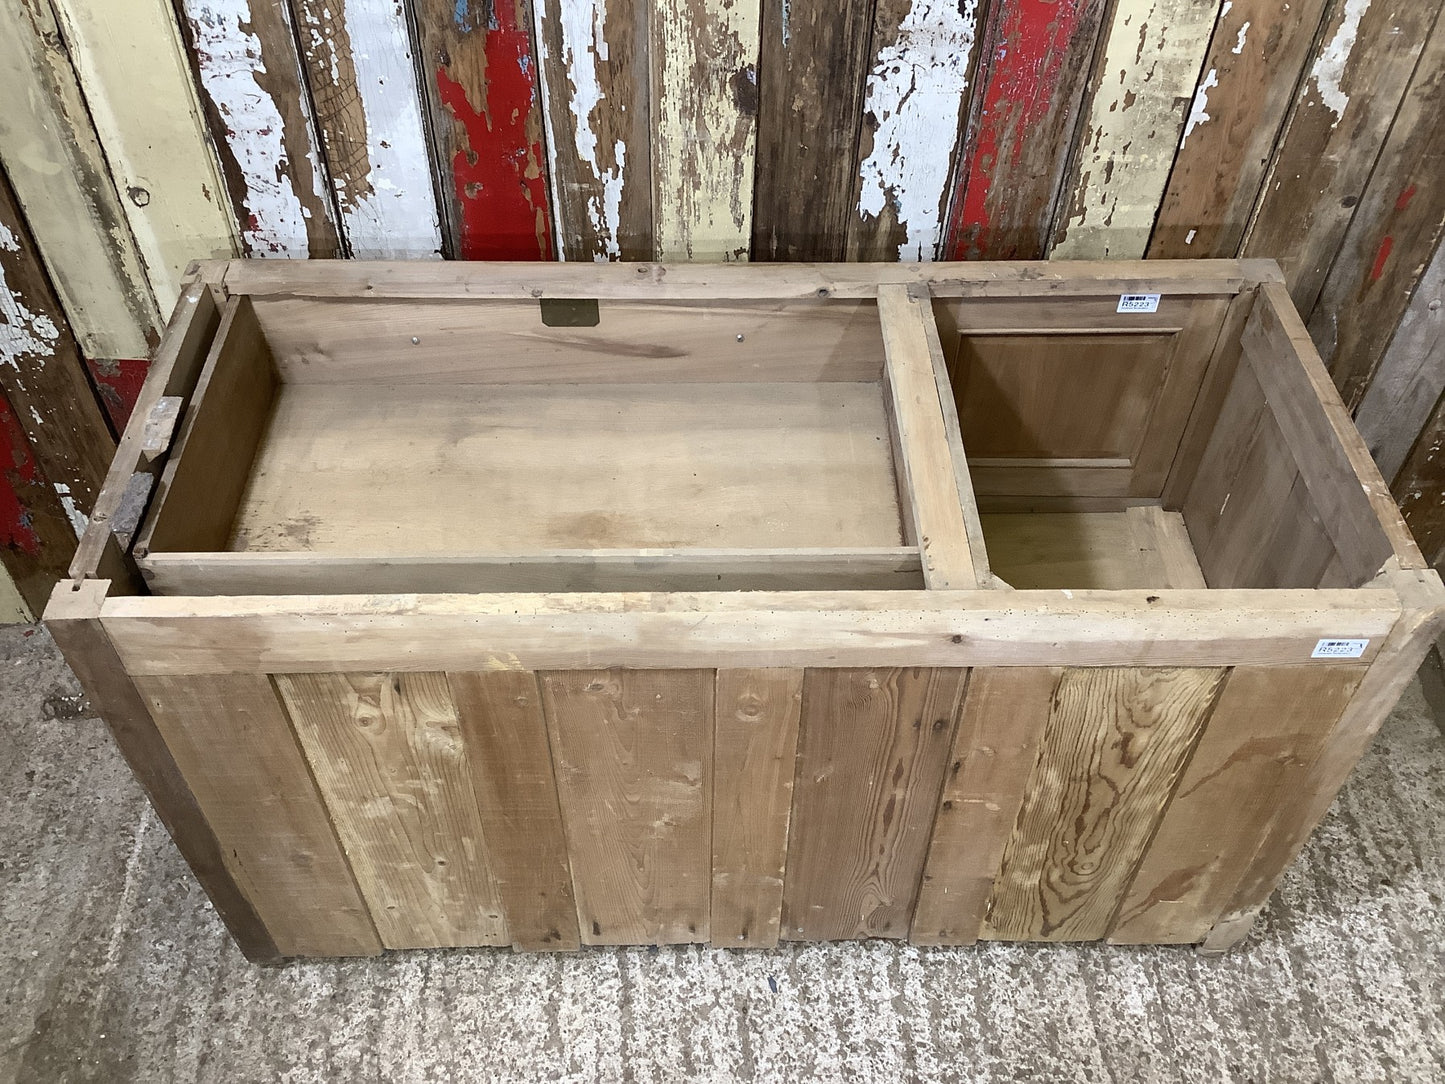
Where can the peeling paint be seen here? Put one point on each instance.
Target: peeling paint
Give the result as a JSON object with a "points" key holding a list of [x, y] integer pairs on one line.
{"points": [[1329, 70], [18, 471], [78, 519], [916, 91], [23, 333], [1240, 40], [1198, 109]]}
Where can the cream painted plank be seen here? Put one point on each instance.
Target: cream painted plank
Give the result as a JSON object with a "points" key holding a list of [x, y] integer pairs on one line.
{"points": [[921, 70], [1150, 62], [368, 111], [12, 607], [704, 116], [142, 98], [55, 164]]}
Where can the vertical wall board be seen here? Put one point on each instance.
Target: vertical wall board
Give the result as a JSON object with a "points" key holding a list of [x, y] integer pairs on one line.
{"points": [[118, 382], [1033, 76], [1239, 104], [368, 113], [479, 72], [41, 372], [811, 73], [1116, 741], [633, 756], [1353, 85], [920, 69], [13, 609], [755, 750], [1002, 721], [1392, 236], [1419, 485], [260, 119], [142, 98], [1267, 726], [873, 748], [704, 118], [1410, 376], [594, 64], [389, 756], [50, 153], [36, 538], [233, 743], [506, 739], [1143, 82]]}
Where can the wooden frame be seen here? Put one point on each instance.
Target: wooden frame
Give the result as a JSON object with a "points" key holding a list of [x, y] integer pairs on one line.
{"points": [[1120, 723]]}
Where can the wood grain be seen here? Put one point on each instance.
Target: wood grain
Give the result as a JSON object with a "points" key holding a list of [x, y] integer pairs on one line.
{"points": [[1419, 484], [1115, 745], [872, 753], [389, 756], [1001, 723], [633, 752], [36, 538], [755, 747], [505, 735]]}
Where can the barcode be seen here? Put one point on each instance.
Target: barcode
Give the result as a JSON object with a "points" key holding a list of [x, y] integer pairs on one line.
{"points": [[1339, 649], [1138, 303]]}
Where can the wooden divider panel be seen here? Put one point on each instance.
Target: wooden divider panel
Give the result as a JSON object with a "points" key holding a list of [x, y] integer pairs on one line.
{"points": [[872, 754], [754, 754], [1112, 751], [231, 739], [388, 753], [1264, 732], [633, 751]]}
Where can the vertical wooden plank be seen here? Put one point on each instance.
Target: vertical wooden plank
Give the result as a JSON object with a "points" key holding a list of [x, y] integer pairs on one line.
{"points": [[138, 87], [920, 69], [811, 72], [1265, 729], [594, 64], [1034, 72], [1353, 84], [50, 153], [1143, 81], [1420, 483], [1116, 742], [13, 610], [479, 73], [755, 749], [704, 118], [633, 753], [363, 88], [1394, 233], [259, 116], [872, 753], [233, 744], [1239, 105], [511, 766], [389, 757], [41, 372], [36, 539], [999, 728]]}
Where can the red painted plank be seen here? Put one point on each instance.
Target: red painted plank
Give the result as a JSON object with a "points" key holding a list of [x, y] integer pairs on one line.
{"points": [[118, 384], [18, 473]]}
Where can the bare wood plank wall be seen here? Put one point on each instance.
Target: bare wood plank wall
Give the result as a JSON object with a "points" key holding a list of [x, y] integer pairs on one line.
{"points": [[1306, 131]]}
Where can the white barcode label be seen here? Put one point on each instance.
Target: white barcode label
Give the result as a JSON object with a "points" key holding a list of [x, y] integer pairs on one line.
{"points": [[1138, 303], [1339, 649]]}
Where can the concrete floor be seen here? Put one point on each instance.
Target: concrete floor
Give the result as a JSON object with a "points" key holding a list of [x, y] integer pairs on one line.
{"points": [[113, 967]]}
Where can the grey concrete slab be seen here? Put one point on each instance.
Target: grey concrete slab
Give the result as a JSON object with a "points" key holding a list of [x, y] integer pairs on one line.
{"points": [[113, 967]]}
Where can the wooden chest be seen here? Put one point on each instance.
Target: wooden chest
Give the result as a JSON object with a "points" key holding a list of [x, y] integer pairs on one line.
{"points": [[446, 604]]}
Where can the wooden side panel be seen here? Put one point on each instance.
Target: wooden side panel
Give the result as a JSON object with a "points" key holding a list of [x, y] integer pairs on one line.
{"points": [[260, 121], [1115, 745], [479, 74], [811, 74], [754, 752], [704, 118], [51, 155], [362, 84], [1240, 102], [1002, 721], [138, 88], [1353, 83], [1392, 237], [511, 768], [390, 759], [920, 69], [1144, 77], [872, 755], [1032, 81], [234, 747], [36, 539], [633, 751], [1265, 729], [594, 65]]}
